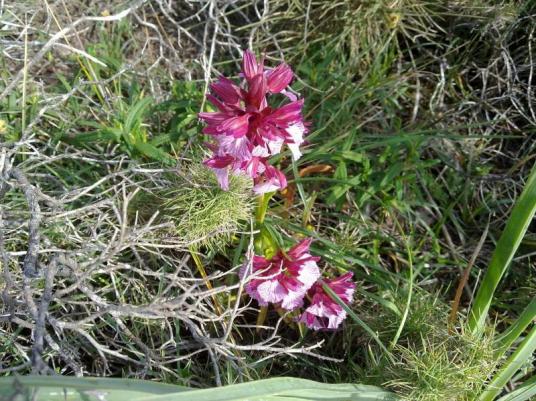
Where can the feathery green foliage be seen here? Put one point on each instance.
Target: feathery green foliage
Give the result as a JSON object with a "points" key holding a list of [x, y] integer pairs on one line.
{"points": [[430, 362], [443, 367], [203, 215]]}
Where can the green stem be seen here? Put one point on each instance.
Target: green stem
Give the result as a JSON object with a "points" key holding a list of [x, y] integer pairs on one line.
{"points": [[264, 243], [201, 269], [262, 207]]}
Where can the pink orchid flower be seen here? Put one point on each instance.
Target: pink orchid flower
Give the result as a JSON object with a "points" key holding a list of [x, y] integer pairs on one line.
{"points": [[284, 279], [247, 130], [324, 313]]}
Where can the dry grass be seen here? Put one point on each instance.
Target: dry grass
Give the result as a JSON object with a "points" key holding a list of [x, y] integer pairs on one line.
{"points": [[428, 106]]}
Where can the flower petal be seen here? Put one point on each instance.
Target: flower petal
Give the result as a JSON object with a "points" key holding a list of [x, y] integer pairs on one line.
{"points": [[296, 131], [290, 95], [288, 114], [250, 66], [293, 300], [309, 274], [219, 161], [257, 92], [279, 78], [220, 105], [271, 291], [226, 90], [236, 147], [324, 312], [222, 175], [300, 249], [272, 180], [214, 118], [235, 126]]}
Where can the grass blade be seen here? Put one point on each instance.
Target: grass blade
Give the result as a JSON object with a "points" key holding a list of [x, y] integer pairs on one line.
{"points": [[154, 153], [136, 113], [513, 233], [511, 366], [356, 318], [507, 338], [408, 301], [522, 393], [389, 305]]}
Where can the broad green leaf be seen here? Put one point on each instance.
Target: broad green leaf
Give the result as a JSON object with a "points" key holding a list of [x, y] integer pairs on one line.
{"points": [[283, 389], [92, 389], [61, 388]]}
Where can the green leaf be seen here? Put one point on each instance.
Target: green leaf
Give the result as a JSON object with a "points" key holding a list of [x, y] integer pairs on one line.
{"points": [[513, 233], [135, 114], [522, 393], [90, 123], [153, 152], [508, 337], [283, 389], [394, 171], [266, 242], [70, 388], [101, 135], [353, 156], [160, 140], [510, 367], [341, 173], [389, 305]]}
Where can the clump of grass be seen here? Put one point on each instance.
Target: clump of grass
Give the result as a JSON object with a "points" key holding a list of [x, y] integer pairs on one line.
{"points": [[427, 312], [445, 366], [203, 215], [430, 361]]}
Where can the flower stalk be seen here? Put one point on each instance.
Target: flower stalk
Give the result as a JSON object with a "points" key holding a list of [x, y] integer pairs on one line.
{"points": [[201, 270], [247, 132], [262, 207]]}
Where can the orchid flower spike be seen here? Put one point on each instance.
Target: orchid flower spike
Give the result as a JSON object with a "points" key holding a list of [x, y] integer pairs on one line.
{"points": [[247, 131]]}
